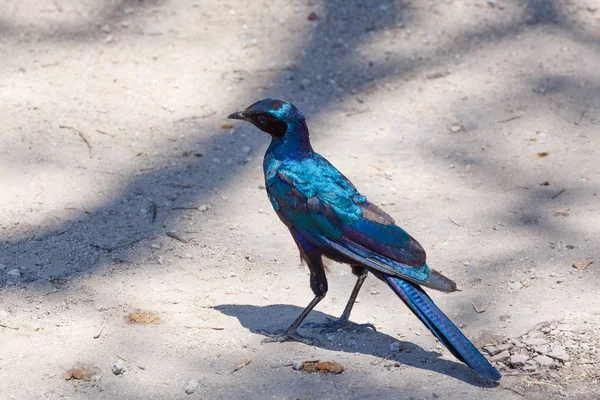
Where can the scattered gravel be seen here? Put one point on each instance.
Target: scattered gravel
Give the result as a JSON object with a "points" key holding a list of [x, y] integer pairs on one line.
{"points": [[550, 348]]}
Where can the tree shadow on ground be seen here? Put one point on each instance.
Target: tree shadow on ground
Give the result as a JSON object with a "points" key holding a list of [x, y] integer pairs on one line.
{"points": [[108, 233], [87, 28], [83, 242]]}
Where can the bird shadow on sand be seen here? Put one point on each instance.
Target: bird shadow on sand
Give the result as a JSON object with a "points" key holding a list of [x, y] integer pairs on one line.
{"points": [[277, 316]]}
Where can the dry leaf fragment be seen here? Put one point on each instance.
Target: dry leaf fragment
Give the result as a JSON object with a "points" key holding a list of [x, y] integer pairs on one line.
{"points": [[82, 372], [542, 154], [330, 367], [226, 125], [582, 263], [310, 366], [143, 318], [562, 213], [323, 367]]}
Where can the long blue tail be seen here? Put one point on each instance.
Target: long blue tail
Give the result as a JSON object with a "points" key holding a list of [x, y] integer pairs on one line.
{"points": [[441, 326]]}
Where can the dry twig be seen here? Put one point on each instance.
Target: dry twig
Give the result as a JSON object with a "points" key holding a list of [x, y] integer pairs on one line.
{"points": [[153, 211], [9, 327], [240, 366], [509, 119], [81, 135], [559, 193], [97, 335], [175, 236], [454, 222], [204, 327]]}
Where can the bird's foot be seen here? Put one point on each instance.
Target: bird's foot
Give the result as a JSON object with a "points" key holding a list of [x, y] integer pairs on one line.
{"points": [[341, 324], [286, 336]]}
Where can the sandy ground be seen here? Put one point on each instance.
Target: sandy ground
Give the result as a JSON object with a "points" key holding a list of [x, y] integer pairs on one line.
{"points": [[475, 124]]}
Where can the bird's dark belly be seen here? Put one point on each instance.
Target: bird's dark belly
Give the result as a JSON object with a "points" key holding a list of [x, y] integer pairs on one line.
{"points": [[335, 256]]}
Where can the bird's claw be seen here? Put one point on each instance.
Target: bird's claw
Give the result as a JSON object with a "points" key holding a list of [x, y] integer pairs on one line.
{"points": [[334, 325], [287, 336]]}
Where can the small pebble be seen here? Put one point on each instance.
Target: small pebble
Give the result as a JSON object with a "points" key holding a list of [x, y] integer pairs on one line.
{"points": [[559, 353], [118, 368], [544, 361], [456, 128], [542, 349], [535, 341], [530, 368], [502, 347], [297, 365], [500, 356], [518, 360], [191, 386], [312, 16], [14, 273]]}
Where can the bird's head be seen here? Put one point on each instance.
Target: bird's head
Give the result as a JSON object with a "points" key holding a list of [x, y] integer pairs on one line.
{"points": [[272, 116]]}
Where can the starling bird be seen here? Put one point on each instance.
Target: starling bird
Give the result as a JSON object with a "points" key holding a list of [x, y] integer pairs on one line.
{"points": [[328, 217]]}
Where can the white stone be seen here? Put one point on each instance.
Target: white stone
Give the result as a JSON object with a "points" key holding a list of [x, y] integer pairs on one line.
{"points": [[544, 361], [14, 273], [191, 386], [118, 368], [518, 360], [395, 346]]}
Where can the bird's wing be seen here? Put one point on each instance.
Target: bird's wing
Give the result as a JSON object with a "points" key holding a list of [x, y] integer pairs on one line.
{"points": [[319, 201]]}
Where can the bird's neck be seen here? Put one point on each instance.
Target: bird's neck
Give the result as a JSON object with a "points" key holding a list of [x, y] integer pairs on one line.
{"points": [[294, 144]]}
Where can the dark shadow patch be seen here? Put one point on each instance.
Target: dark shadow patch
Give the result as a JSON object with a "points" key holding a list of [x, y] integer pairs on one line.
{"points": [[377, 344]]}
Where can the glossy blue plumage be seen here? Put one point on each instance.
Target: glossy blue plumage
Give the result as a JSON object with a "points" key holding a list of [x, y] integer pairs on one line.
{"points": [[313, 196], [441, 326], [327, 216]]}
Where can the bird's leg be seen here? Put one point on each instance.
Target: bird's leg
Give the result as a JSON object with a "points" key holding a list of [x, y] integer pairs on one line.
{"points": [[291, 333], [318, 284], [344, 321]]}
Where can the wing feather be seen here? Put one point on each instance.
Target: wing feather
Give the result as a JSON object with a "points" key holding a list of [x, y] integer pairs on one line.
{"points": [[330, 212]]}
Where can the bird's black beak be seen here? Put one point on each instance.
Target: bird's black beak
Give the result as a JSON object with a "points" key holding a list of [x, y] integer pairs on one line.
{"points": [[237, 115]]}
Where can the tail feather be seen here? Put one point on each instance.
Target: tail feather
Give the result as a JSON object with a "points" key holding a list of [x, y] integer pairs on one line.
{"points": [[441, 326]]}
